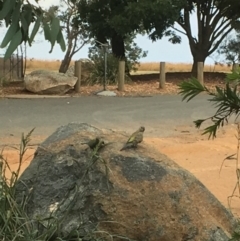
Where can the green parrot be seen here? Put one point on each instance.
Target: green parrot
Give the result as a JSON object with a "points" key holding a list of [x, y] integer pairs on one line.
{"points": [[96, 143], [134, 139], [92, 143], [100, 145]]}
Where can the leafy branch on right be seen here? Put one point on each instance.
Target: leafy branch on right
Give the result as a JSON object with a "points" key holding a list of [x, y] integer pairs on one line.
{"points": [[226, 100]]}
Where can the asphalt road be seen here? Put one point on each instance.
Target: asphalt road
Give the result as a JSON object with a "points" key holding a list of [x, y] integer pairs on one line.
{"points": [[161, 115]]}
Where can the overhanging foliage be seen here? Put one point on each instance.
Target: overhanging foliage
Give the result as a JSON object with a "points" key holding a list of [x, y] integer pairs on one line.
{"points": [[18, 17], [226, 100]]}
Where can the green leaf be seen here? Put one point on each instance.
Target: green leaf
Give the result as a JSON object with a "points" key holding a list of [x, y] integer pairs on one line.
{"points": [[198, 123], [24, 23], [16, 13], [14, 27], [8, 19], [7, 7], [55, 28], [61, 41], [28, 15], [10, 33], [47, 32], [16, 41], [232, 76], [26, 19], [211, 131], [190, 89], [35, 29], [219, 91]]}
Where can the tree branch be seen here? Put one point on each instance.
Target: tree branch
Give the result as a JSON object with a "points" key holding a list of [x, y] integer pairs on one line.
{"points": [[178, 30], [209, 15], [75, 44], [224, 20], [188, 34], [216, 16], [218, 31], [199, 21], [68, 24], [219, 41], [187, 22], [84, 42]]}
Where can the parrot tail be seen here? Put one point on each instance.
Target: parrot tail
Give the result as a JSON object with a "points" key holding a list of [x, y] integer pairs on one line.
{"points": [[123, 148], [126, 146]]}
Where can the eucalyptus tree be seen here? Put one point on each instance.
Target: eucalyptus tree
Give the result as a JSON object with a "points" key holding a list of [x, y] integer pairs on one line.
{"points": [[215, 20], [115, 20], [18, 16]]}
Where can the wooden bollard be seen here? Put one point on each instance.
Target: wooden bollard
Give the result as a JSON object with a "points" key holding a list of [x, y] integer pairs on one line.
{"points": [[78, 73], [121, 75], [200, 76], [235, 67], [162, 75]]}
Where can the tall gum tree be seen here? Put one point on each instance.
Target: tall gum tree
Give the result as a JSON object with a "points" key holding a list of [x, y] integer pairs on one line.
{"points": [[215, 20], [114, 20], [76, 35]]}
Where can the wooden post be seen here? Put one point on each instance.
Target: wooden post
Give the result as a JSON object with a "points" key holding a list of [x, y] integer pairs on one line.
{"points": [[235, 67], [77, 73], [200, 72], [121, 75], [162, 76]]}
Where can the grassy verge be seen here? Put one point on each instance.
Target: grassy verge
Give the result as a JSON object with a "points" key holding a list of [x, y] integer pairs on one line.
{"points": [[144, 67]]}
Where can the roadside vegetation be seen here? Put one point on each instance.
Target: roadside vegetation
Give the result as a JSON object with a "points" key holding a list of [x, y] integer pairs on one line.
{"points": [[227, 103]]}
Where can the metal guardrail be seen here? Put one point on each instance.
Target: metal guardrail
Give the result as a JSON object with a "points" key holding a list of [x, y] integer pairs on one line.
{"points": [[11, 69]]}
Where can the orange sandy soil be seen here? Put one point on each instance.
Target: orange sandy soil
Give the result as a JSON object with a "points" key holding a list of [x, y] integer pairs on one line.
{"points": [[192, 151]]}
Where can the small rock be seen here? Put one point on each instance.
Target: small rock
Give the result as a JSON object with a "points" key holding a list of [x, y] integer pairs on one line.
{"points": [[106, 93]]}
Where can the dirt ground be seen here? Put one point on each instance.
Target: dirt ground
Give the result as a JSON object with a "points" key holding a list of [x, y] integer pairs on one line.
{"points": [[192, 151], [141, 85]]}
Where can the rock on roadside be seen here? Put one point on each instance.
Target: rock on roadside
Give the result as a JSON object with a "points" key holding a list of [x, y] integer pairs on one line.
{"points": [[139, 194], [49, 82]]}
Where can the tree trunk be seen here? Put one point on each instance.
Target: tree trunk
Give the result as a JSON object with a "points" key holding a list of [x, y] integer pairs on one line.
{"points": [[118, 50], [198, 57], [65, 64], [67, 58]]}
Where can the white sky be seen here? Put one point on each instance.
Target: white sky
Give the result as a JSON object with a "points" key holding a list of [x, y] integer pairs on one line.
{"points": [[161, 50]]}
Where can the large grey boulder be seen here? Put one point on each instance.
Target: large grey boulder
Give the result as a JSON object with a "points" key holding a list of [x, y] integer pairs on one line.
{"points": [[49, 82], [139, 194]]}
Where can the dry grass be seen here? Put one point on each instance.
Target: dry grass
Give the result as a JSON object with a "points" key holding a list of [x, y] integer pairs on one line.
{"points": [[54, 65], [181, 67], [34, 64]]}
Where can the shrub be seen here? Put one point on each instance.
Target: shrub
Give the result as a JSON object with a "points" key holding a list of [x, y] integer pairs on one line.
{"points": [[96, 54]]}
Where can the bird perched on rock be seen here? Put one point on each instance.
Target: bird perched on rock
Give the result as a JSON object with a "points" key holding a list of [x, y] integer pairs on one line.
{"points": [[100, 145], [134, 139], [92, 143], [95, 144]]}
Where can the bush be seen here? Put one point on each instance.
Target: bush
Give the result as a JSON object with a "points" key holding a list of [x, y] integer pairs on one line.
{"points": [[230, 49], [96, 54]]}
